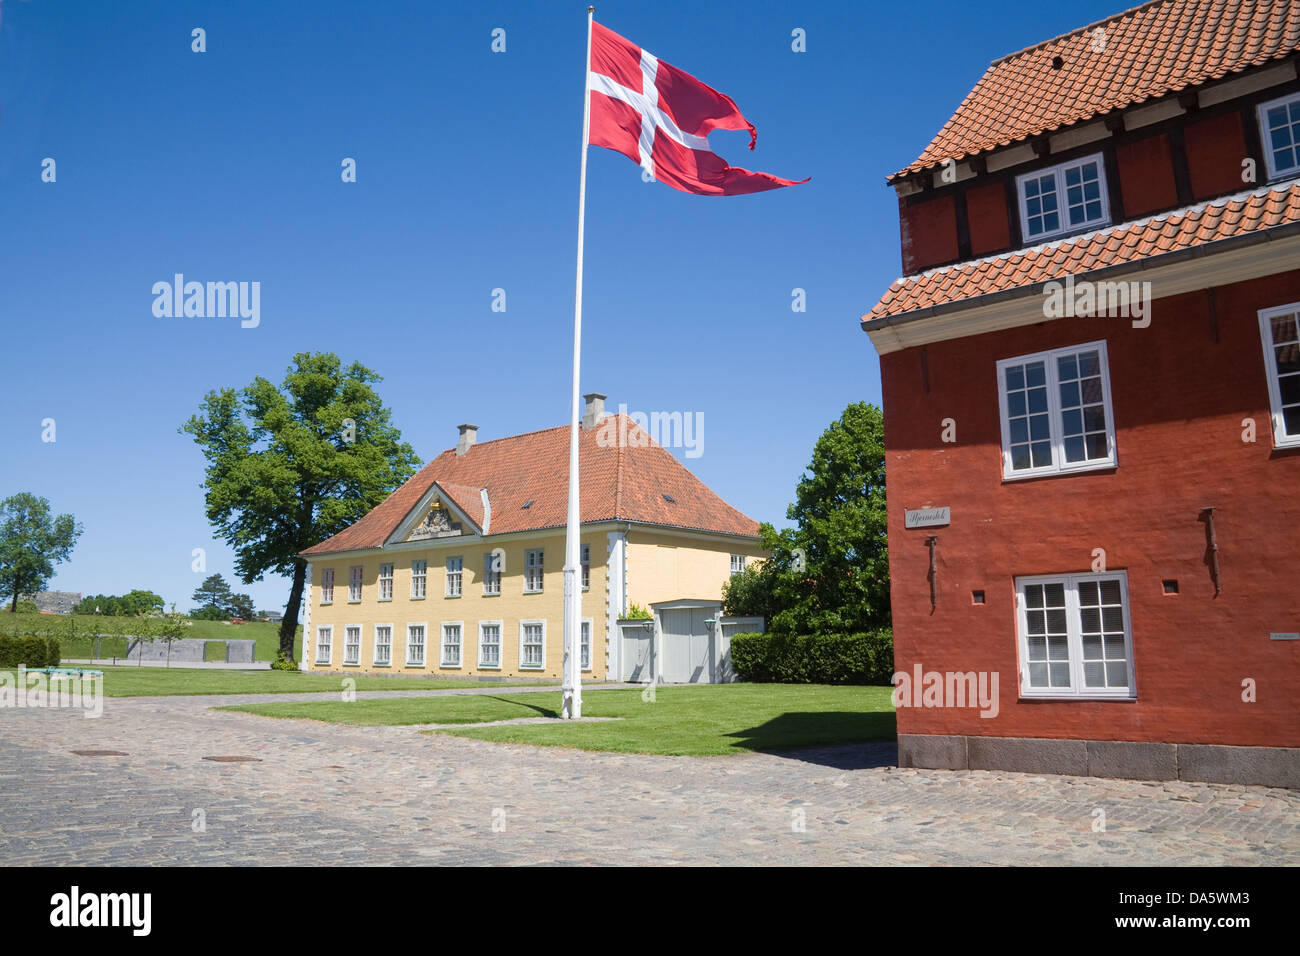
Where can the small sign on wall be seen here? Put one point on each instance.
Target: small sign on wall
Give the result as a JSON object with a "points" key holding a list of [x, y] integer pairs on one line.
{"points": [[1284, 637], [926, 518]]}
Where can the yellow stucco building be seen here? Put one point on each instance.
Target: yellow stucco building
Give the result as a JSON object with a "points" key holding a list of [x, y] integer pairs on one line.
{"points": [[459, 571]]}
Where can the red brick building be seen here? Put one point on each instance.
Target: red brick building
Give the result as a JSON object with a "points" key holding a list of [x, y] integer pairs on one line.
{"points": [[1092, 362]]}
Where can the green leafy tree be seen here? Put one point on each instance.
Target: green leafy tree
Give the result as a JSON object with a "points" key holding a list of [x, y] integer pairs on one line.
{"points": [[132, 603], [31, 543], [241, 606], [830, 572], [213, 594], [289, 466]]}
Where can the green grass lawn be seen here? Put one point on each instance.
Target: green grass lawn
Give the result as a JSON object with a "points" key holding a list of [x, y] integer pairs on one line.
{"points": [[694, 720], [132, 681]]}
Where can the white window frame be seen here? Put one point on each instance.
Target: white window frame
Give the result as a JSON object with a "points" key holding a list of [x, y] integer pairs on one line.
{"points": [[325, 639], [589, 626], [374, 651], [1077, 690], [1059, 465], [584, 561], [534, 566], [357, 661], [1062, 204], [737, 559], [491, 579], [531, 667], [385, 582], [500, 626], [443, 645], [420, 575], [1266, 141], [1280, 437], [424, 644], [356, 582], [327, 586], [455, 576]]}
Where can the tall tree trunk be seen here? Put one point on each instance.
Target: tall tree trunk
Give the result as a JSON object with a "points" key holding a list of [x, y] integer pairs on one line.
{"points": [[13, 608], [289, 626]]}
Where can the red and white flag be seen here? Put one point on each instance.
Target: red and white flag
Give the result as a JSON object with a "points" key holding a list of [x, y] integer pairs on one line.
{"points": [[660, 117]]}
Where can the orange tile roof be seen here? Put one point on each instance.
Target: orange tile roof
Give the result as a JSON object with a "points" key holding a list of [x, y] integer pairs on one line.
{"points": [[1225, 218], [1152, 50], [618, 483]]}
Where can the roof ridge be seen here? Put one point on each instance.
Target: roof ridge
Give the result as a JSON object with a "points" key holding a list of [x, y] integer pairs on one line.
{"points": [[1279, 187], [1069, 33]]}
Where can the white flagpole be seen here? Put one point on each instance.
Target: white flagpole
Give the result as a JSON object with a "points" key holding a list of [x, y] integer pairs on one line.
{"points": [[571, 705]]}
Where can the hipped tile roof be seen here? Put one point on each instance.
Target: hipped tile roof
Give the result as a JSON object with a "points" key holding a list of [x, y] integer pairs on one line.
{"points": [[618, 482], [1149, 51], [1146, 238]]}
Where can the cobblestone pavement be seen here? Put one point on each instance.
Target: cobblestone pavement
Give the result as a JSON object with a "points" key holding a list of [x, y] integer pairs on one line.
{"points": [[324, 794]]}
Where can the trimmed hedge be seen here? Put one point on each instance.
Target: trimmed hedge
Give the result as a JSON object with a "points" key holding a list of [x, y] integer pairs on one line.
{"points": [[866, 658], [29, 650]]}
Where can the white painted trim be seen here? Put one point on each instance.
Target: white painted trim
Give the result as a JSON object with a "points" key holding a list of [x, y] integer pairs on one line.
{"points": [[1058, 172], [374, 644], [591, 645], [542, 564], [501, 630], [406, 651], [487, 510], [392, 583], [361, 583], [425, 595], [305, 663], [333, 582], [414, 516], [1265, 142], [316, 656], [615, 600], [442, 645], [522, 665], [446, 576], [1059, 466], [1074, 641], [1280, 438], [361, 637]]}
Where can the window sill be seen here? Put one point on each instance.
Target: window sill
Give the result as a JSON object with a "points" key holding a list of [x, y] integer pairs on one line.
{"points": [[1061, 473], [452, 597], [489, 667], [449, 667], [414, 598], [532, 667], [491, 593], [351, 663], [539, 591], [326, 603], [1076, 698], [357, 601], [414, 664], [382, 664]]}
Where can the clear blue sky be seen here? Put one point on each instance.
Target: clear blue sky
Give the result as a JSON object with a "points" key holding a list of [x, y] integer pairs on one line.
{"points": [[225, 166]]}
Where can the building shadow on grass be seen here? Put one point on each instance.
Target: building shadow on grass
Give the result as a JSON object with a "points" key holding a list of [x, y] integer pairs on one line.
{"points": [[515, 699], [852, 740]]}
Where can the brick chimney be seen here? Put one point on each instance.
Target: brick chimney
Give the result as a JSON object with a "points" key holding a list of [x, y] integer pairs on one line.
{"points": [[595, 410], [467, 435]]}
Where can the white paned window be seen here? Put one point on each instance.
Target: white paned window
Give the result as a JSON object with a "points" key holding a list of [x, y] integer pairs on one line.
{"points": [[737, 563], [1279, 127], [383, 645], [492, 573], [419, 578], [327, 586], [1074, 636], [454, 569], [489, 644], [1056, 412], [352, 645], [1063, 199], [533, 570], [354, 584], [451, 644], [586, 566], [385, 582], [532, 645], [1279, 330], [415, 645], [324, 644], [584, 645]]}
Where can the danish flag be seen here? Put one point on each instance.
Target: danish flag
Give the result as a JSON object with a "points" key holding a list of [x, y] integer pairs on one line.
{"points": [[660, 117]]}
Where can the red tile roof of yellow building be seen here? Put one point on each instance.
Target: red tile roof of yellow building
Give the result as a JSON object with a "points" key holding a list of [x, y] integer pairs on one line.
{"points": [[620, 481], [1149, 51], [1209, 222]]}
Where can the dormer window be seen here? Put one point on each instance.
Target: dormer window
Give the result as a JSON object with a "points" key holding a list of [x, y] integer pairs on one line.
{"points": [[1063, 199], [1279, 122]]}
